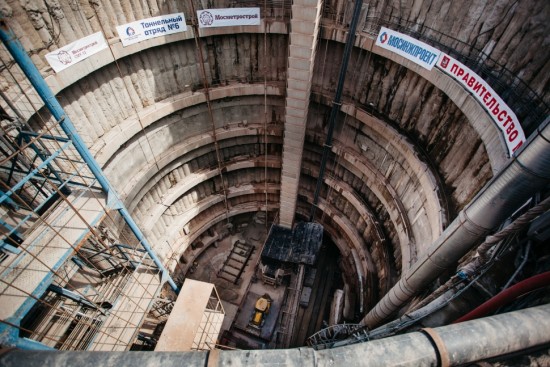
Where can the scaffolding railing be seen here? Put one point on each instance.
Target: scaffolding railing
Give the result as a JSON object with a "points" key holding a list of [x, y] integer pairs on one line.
{"points": [[210, 325], [75, 271]]}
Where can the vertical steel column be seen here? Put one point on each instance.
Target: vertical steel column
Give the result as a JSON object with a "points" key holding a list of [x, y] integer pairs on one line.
{"points": [[25, 63], [336, 104]]}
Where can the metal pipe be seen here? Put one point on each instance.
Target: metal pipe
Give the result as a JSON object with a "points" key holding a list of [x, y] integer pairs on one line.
{"points": [[458, 344], [524, 175], [478, 265], [25, 63], [474, 341], [336, 104], [357, 262], [410, 318]]}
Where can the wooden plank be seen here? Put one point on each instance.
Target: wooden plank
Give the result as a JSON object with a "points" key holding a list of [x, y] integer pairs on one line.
{"points": [[186, 316]]}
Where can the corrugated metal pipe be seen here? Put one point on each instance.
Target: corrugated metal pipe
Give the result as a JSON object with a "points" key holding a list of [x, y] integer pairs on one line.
{"points": [[450, 345], [524, 175]]}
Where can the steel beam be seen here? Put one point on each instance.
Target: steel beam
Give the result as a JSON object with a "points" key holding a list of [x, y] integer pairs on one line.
{"points": [[27, 66]]}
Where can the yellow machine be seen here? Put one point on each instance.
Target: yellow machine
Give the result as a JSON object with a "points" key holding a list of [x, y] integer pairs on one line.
{"points": [[261, 310]]}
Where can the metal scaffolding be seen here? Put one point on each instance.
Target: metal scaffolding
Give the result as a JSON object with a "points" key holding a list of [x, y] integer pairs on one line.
{"points": [[76, 273]]}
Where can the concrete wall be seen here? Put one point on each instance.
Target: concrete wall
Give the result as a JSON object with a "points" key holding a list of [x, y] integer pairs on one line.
{"points": [[411, 146]]}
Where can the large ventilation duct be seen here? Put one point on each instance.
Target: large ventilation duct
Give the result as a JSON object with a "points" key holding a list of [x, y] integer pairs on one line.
{"points": [[444, 346], [524, 175]]}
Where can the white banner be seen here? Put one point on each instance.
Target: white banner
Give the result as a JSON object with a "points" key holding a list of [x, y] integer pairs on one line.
{"points": [[76, 51], [499, 111], [228, 17], [144, 29], [408, 47]]}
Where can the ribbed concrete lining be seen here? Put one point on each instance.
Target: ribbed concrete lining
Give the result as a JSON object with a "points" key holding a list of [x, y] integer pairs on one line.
{"points": [[523, 176], [470, 107], [475, 113], [110, 144], [466, 104]]}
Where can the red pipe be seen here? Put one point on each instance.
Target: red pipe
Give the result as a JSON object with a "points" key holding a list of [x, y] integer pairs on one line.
{"points": [[507, 295]]}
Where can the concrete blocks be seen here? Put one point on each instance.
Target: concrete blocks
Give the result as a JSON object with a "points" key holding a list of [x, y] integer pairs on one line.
{"points": [[303, 41], [299, 85], [300, 64], [302, 52], [300, 39], [302, 75], [299, 26], [291, 102], [306, 13], [297, 94]]}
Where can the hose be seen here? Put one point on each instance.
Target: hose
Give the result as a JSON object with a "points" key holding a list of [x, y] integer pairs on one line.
{"points": [[507, 295]]}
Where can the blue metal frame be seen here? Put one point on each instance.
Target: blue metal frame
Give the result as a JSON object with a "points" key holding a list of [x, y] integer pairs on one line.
{"points": [[9, 201], [7, 330], [12, 229], [24, 180], [5, 197], [10, 336], [71, 295], [42, 178], [6, 246], [26, 134], [27, 66], [41, 155]]}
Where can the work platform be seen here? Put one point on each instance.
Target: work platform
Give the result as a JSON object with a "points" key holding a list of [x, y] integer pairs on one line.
{"points": [[49, 244], [299, 245], [120, 328], [195, 320]]}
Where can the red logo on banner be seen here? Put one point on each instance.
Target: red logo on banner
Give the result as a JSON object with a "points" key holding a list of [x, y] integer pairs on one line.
{"points": [[445, 61]]}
